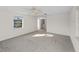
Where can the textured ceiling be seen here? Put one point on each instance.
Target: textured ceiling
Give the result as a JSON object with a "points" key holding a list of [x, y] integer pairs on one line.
{"points": [[50, 10], [55, 9]]}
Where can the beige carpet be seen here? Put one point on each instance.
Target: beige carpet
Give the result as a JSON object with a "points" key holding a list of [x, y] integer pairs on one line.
{"points": [[26, 43]]}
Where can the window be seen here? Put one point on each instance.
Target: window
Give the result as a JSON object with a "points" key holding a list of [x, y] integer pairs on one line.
{"points": [[18, 22]]}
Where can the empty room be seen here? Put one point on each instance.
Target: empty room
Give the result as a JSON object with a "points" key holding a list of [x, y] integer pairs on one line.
{"points": [[39, 29]]}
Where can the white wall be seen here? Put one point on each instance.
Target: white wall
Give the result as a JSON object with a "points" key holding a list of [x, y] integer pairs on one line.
{"points": [[59, 24], [73, 28], [6, 24]]}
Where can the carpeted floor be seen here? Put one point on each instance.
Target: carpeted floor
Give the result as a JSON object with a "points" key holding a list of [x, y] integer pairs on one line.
{"points": [[26, 43]]}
